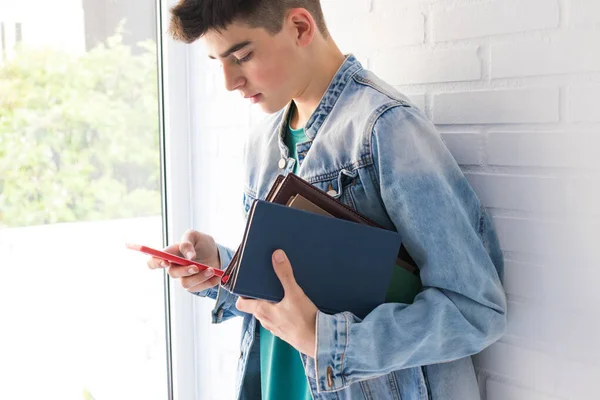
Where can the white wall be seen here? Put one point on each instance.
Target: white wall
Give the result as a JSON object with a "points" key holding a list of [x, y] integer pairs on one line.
{"points": [[510, 85]]}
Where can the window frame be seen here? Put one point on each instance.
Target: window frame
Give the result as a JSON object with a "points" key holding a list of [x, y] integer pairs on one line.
{"points": [[176, 183]]}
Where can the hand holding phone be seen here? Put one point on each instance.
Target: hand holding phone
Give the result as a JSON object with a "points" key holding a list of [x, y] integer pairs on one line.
{"points": [[172, 258]]}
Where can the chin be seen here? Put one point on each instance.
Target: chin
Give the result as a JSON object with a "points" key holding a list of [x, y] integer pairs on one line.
{"points": [[272, 108]]}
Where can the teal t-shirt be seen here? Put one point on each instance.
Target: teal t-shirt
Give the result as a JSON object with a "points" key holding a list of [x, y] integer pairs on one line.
{"points": [[294, 137], [281, 371]]}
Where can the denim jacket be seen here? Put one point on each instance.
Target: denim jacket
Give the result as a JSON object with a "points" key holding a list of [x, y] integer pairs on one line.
{"points": [[376, 152]]}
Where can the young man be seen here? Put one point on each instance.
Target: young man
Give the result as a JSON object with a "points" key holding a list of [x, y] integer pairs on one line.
{"points": [[352, 135]]}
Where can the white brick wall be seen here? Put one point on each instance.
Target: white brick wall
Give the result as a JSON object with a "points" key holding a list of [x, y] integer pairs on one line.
{"points": [[428, 66], [537, 105], [584, 12], [556, 52], [512, 87], [485, 18], [582, 103]]}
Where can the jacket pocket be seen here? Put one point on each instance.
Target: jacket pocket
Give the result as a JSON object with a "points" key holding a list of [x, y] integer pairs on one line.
{"points": [[340, 185]]}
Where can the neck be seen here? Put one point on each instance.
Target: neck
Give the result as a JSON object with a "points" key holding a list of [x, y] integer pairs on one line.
{"points": [[327, 60]]}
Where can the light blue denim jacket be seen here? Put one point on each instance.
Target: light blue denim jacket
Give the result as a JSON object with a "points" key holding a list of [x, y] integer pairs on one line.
{"points": [[376, 152]]}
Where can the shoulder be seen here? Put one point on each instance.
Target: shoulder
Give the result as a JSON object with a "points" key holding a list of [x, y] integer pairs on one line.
{"points": [[385, 110], [374, 86], [395, 127]]}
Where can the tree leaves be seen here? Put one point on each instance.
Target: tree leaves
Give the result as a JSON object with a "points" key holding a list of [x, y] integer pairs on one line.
{"points": [[79, 135]]}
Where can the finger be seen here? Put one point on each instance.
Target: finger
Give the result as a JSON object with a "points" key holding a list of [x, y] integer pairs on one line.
{"points": [[200, 286], [178, 272], [242, 305], [154, 263], [197, 283], [188, 243], [187, 249], [246, 305], [261, 309], [284, 271]]}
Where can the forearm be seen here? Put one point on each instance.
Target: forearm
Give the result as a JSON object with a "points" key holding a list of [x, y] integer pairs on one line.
{"points": [[439, 326], [225, 301]]}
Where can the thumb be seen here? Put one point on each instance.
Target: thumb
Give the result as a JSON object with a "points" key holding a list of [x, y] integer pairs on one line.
{"points": [[187, 247], [283, 269]]}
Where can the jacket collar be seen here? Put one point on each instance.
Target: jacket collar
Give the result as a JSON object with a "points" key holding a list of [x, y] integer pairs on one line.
{"points": [[348, 68]]}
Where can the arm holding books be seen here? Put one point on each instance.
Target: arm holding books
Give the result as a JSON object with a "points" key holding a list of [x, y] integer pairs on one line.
{"points": [[293, 318], [462, 307]]}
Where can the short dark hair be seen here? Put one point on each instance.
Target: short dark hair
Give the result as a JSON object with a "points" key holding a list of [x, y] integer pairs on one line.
{"points": [[191, 19]]}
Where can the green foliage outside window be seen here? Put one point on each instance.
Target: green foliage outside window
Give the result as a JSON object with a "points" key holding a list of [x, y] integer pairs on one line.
{"points": [[79, 135]]}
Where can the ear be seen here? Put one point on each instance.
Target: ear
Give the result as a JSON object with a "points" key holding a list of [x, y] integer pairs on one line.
{"points": [[303, 25]]}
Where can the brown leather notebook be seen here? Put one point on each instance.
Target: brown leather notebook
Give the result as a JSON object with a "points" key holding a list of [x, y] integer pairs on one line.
{"points": [[285, 188]]}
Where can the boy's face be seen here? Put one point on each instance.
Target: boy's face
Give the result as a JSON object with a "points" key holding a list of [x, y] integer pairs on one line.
{"points": [[264, 68]]}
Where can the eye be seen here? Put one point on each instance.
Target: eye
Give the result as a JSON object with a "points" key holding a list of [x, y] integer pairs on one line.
{"points": [[244, 59]]}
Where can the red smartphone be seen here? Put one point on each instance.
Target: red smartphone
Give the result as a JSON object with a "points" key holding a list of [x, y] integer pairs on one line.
{"points": [[170, 257]]}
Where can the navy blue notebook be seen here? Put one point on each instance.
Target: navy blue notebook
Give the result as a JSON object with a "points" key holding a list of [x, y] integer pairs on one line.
{"points": [[340, 265]]}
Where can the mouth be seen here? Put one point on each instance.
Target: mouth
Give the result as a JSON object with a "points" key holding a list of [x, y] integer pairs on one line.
{"points": [[255, 98]]}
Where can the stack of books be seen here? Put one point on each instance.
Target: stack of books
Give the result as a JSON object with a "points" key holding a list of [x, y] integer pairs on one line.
{"points": [[341, 259]]}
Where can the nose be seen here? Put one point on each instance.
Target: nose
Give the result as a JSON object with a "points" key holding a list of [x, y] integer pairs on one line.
{"points": [[233, 78]]}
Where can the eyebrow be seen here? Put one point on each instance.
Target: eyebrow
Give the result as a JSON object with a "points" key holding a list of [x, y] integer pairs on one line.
{"points": [[233, 49]]}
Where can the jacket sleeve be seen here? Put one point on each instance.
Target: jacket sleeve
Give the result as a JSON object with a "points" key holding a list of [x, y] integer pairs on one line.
{"points": [[461, 309], [225, 301]]}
